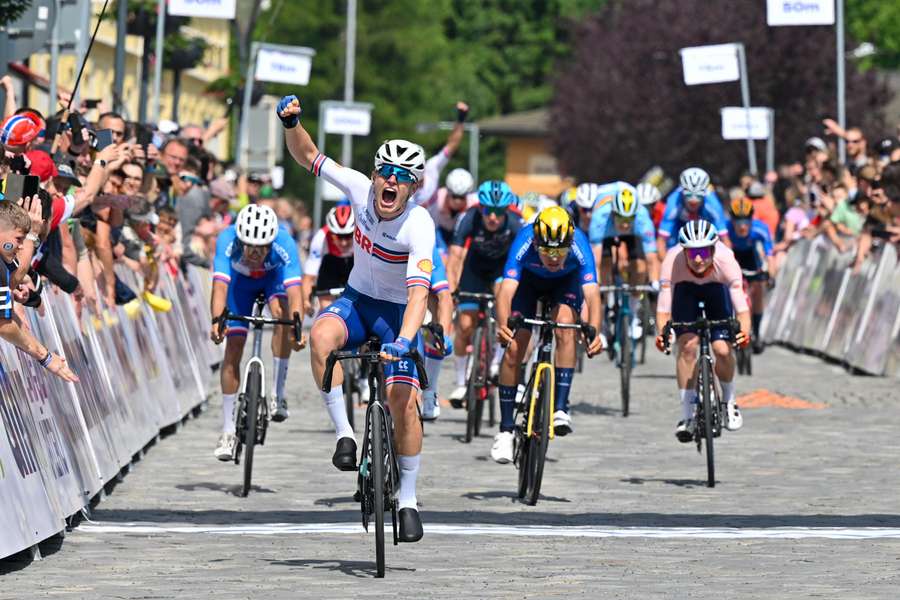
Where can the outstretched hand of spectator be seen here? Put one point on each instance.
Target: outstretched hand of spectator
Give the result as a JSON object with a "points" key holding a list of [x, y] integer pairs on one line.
{"points": [[59, 367], [32, 204], [832, 127]]}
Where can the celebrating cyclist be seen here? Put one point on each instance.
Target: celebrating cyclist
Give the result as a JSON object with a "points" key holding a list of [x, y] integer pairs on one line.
{"points": [[702, 269], [254, 256], [549, 260], [431, 178], [693, 199], [623, 227], [753, 249], [386, 294], [481, 242], [451, 201], [330, 255]]}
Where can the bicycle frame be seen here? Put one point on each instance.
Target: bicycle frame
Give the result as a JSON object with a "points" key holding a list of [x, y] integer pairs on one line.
{"points": [[256, 354]]}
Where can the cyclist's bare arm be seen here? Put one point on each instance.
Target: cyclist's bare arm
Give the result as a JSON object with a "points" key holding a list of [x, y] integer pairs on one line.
{"points": [[653, 264], [454, 265], [445, 310], [299, 142], [594, 301], [414, 315], [456, 135], [505, 295], [309, 282]]}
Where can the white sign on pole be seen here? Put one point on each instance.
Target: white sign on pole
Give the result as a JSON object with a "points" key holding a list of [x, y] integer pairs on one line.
{"points": [[348, 121], [800, 12], [283, 67], [710, 64], [735, 120], [209, 9]]}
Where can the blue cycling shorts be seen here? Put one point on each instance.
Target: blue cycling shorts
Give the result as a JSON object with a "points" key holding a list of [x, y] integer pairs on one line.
{"points": [[560, 290], [364, 316], [243, 291], [716, 299]]}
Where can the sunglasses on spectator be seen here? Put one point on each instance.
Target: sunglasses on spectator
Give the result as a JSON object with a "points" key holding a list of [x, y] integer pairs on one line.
{"points": [[553, 252], [701, 253], [402, 175], [497, 211], [191, 179]]}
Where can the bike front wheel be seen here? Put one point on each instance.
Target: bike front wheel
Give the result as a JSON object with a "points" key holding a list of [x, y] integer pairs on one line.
{"points": [[706, 396], [540, 438], [251, 407], [473, 387], [377, 473], [625, 362]]}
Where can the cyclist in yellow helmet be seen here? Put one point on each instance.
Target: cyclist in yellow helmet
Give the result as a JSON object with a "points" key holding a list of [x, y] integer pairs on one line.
{"points": [[551, 260]]}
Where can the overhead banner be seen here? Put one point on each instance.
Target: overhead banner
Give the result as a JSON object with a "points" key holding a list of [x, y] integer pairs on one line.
{"points": [[208, 9], [710, 64], [800, 12], [742, 124], [284, 65], [348, 120]]}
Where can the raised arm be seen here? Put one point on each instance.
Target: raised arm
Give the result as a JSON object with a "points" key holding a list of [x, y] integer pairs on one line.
{"points": [[299, 142]]}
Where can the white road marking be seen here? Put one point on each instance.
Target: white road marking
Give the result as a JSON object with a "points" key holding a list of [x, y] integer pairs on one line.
{"points": [[787, 533]]}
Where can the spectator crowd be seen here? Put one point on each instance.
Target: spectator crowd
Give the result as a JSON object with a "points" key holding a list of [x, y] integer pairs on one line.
{"points": [[87, 192]]}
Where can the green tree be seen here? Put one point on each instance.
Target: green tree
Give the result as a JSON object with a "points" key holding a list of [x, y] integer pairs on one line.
{"points": [[10, 10], [877, 22]]}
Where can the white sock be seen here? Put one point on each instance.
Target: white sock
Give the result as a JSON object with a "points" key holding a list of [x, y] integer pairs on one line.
{"points": [[334, 402], [409, 470], [460, 362], [433, 370], [688, 401], [728, 392], [228, 412], [498, 354], [280, 368]]}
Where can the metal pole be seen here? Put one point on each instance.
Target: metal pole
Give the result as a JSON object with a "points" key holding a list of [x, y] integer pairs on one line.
{"points": [[160, 51], [119, 81], [243, 157], [349, 68], [841, 81], [54, 63], [745, 95], [83, 42], [770, 143], [474, 149], [320, 143]]}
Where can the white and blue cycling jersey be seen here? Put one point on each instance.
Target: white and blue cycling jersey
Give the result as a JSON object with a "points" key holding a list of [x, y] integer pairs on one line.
{"points": [[439, 281], [603, 227], [758, 236], [676, 215], [523, 258]]}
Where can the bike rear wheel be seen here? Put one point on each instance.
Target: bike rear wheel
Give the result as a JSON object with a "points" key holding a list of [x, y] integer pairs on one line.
{"points": [[706, 395], [252, 400], [377, 430], [473, 387], [540, 438], [625, 360]]}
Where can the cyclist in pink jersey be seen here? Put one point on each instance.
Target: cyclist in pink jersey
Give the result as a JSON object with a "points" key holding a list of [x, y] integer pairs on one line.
{"points": [[702, 269]]}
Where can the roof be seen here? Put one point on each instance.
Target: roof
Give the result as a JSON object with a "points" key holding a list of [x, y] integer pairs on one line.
{"points": [[526, 123]]}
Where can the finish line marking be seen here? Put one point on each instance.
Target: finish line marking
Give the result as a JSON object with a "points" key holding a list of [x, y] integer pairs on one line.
{"points": [[785, 533]]}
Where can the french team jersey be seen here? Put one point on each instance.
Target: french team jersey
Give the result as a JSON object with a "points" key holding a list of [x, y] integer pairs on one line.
{"points": [[759, 234], [523, 256], [603, 227], [388, 256], [319, 247], [431, 179], [676, 215], [282, 255]]}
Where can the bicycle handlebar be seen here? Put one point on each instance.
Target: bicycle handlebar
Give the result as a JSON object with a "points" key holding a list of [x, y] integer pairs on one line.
{"points": [[337, 291], [628, 288], [479, 296], [372, 356], [296, 324], [702, 323], [437, 331], [588, 331]]}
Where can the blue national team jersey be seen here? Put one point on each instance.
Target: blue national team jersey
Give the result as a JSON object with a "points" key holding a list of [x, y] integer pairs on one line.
{"points": [[603, 227], [675, 216], [759, 233], [523, 256], [282, 255]]}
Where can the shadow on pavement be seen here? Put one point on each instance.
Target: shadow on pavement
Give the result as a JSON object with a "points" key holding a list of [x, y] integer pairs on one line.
{"points": [[505, 494], [685, 483], [335, 500], [356, 568], [584, 408], [23, 559], [652, 376], [525, 516], [233, 490]]}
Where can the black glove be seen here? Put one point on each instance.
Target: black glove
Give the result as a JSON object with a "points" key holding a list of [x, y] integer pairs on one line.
{"points": [[461, 115]]}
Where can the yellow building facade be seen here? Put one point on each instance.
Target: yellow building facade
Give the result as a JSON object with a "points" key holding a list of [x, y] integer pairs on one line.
{"points": [[194, 105]]}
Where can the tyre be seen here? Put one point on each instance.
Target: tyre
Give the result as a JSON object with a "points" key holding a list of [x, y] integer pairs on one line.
{"points": [[254, 386], [473, 387], [523, 444], [706, 399], [540, 438], [349, 387], [645, 326], [625, 361], [377, 473]]}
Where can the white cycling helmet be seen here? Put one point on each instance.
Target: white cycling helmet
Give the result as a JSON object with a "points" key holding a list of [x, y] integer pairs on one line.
{"points": [[402, 153], [256, 225], [459, 182], [694, 181], [340, 220], [698, 234], [648, 194], [625, 204], [586, 195]]}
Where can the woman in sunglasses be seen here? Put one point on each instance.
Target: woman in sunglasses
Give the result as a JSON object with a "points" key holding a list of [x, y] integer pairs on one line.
{"points": [[386, 294], [702, 269], [551, 259]]}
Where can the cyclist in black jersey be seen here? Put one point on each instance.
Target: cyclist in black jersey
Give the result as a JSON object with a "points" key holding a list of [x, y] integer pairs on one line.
{"points": [[481, 241]]}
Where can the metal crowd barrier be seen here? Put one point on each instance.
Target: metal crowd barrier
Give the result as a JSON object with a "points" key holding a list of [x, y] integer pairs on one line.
{"points": [[60, 443], [822, 306]]}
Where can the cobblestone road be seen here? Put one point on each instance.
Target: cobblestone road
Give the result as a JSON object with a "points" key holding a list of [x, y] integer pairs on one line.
{"points": [[807, 505]]}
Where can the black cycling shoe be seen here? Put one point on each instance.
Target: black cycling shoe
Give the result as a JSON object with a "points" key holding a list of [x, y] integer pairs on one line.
{"points": [[410, 525], [345, 454]]}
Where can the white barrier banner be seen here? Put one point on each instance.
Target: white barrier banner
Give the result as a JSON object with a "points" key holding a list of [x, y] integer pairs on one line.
{"points": [[800, 12], [710, 64], [208, 9], [740, 124], [283, 67]]}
